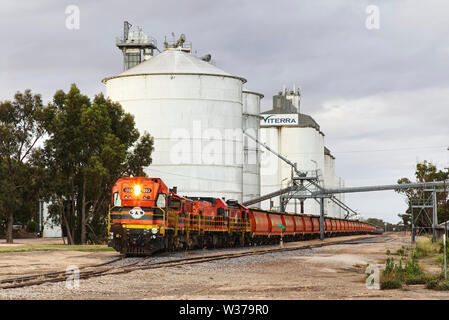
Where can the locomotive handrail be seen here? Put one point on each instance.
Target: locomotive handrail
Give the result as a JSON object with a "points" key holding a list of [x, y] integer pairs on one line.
{"points": [[163, 217], [109, 217]]}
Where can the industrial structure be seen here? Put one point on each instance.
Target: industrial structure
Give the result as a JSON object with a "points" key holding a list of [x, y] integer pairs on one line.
{"points": [[212, 140], [298, 137], [204, 123]]}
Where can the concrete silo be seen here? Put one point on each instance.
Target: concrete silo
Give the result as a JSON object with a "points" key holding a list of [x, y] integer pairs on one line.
{"points": [[194, 112], [251, 150]]}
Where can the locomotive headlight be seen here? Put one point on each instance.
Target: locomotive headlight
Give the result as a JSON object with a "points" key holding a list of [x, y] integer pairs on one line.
{"points": [[136, 190], [154, 230]]}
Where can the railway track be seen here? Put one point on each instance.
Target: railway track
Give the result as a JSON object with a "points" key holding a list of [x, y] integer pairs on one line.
{"points": [[37, 278], [105, 268]]}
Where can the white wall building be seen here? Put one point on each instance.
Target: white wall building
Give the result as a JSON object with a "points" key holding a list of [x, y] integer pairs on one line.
{"points": [[48, 228]]}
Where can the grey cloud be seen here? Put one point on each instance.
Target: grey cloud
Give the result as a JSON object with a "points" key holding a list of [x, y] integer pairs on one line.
{"points": [[321, 45]]}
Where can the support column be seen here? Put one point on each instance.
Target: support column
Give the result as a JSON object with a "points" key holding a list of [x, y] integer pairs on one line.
{"points": [[413, 225], [322, 218], [435, 216]]}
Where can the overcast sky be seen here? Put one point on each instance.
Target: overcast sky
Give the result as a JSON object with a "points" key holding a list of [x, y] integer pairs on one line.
{"points": [[379, 95]]}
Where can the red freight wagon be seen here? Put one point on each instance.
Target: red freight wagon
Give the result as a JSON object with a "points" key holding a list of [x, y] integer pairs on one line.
{"points": [[334, 225], [316, 224], [327, 225], [299, 225], [260, 223], [276, 220], [339, 225], [308, 224], [289, 223], [345, 226]]}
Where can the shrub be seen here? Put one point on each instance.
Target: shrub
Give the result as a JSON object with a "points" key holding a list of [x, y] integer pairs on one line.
{"points": [[425, 248], [390, 284], [32, 226], [419, 279], [438, 285]]}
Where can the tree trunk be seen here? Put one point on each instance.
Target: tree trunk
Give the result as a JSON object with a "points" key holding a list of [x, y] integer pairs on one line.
{"points": [[67, 227], [73, 215], [83, 213], [9, 238]]}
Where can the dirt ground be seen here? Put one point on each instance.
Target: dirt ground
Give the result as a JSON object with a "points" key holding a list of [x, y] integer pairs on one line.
{"points": [[331, 272]]}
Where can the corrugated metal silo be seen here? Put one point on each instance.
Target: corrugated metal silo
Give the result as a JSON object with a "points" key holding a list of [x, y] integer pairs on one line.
{"points": [[194, 112], [251, 150]]}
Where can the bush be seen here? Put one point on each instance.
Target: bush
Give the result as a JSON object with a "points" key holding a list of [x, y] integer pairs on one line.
{"points": [[390, 284], [438, 285], [425, 248], [394, 273], [32, 226], [419, 279]]}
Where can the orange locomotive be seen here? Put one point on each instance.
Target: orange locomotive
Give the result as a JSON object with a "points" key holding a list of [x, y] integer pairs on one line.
{"points": [[147, 216]]}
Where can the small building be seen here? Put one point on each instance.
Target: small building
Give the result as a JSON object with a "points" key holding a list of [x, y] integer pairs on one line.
{"points": [[47, 227]]}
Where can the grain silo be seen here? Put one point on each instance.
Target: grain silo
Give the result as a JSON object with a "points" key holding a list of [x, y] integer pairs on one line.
{"points": [[330, 181], [194, 112], [251, 149], [297, 137]]}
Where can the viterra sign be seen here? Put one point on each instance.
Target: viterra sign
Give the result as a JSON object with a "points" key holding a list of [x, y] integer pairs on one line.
{"points": [[279, 120]]}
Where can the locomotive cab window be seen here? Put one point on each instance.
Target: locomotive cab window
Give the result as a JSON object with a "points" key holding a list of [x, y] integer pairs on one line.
{"points": [[161, 201], [175, 204], [117, 200]]}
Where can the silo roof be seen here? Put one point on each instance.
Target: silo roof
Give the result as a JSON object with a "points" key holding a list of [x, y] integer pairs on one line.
{"points": [[253, 92], [174, 61], [328, 152]]}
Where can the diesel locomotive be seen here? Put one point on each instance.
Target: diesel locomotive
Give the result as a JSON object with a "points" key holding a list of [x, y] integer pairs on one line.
{"points": [[146, 216]]}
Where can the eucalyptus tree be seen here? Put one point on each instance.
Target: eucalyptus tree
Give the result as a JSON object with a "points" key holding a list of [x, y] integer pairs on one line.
{"points": [[22, 125], [90, 145]]}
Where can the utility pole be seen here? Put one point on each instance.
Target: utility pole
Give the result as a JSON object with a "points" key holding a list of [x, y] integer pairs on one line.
{"points": [[322, 218], [435, 216], [445, 263]]}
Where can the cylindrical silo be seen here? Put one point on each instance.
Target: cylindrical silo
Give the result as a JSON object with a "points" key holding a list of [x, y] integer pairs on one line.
{"points": [[194, 112], [304, 146], [270, 166], [251, 149]]}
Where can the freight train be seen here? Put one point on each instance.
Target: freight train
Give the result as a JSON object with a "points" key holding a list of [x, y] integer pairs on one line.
{"points": [[146, 216]]}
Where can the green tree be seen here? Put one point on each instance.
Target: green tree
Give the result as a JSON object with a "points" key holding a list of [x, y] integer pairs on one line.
{"points": [[90, 145], [377, 222], [21, 127], [425, 172], [406, 219]]}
